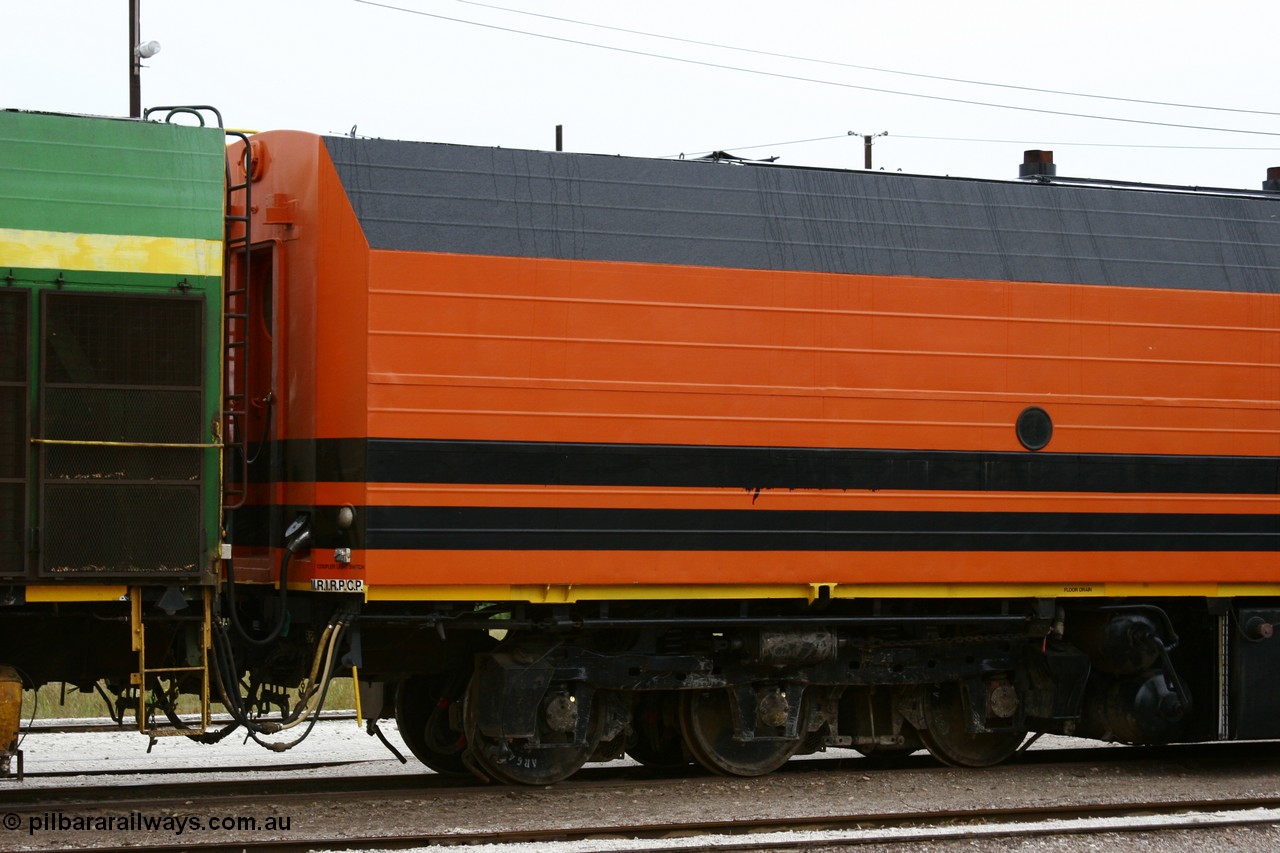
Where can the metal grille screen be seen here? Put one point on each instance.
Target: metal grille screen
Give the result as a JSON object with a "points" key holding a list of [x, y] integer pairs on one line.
{"points": [[13, 430], [119, 374]]}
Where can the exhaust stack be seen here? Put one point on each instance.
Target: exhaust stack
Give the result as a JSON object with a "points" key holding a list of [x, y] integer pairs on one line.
{"points": [[1037, 164]]}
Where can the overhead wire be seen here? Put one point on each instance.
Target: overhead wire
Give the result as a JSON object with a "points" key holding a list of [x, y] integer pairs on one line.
{"points": [[851, 135], [848, 135], [815, 80], [876, 69], [1092, 144]]}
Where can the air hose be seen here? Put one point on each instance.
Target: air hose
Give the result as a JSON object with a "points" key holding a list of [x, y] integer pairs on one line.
{"points": [[299, 537]]}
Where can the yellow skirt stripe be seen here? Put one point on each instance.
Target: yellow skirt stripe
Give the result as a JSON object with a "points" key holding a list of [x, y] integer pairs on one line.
{"points": [[109, 253], [568, 594]]}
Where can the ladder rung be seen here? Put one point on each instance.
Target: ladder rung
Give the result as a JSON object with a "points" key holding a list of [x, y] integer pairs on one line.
{"points": [[174, 669]]}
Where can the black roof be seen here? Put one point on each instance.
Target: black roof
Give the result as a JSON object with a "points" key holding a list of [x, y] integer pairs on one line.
{"points": [[491, 201]]}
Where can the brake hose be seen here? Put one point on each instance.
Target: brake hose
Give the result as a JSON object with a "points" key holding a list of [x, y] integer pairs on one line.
{"points": [[294, 545]]}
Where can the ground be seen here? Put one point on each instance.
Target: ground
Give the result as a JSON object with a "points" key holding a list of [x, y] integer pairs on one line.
{"points": [[851, 787]]}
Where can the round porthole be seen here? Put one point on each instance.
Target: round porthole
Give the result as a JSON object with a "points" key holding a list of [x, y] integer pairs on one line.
{"points": [[1034, 428]]}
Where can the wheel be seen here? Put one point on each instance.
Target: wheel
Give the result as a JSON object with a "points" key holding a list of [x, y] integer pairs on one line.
{"points": [[946, 737], [423, 705], [656, 740], [706, 720], [519, 761]]}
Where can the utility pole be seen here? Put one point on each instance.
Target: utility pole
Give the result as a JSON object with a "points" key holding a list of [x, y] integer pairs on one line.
{"points": [[135, 62], [866, 146], [137, 52]]}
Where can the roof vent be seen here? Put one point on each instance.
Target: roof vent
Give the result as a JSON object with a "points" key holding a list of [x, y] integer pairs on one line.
{"points": [[1037, 164], [1272, 183]]}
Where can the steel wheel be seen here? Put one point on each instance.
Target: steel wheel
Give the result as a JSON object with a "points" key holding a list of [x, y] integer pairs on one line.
{"points": [[946, 737], [706, 720], [423, 705], [520, 761]]}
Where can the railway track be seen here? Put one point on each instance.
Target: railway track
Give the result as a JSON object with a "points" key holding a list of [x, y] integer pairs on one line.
{"points": [[824, 831], [99, 725], [809, 803], [219, 792], [245, 769]]}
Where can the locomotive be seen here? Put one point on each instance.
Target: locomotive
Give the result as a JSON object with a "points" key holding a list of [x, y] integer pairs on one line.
{"points": [[562, 457]]}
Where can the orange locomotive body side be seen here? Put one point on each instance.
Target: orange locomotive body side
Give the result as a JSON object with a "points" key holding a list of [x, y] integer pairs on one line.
{"points": [[548, 356], [517, 350]]}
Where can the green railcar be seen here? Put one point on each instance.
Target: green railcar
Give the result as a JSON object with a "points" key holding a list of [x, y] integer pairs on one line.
{"points": [[111, 252], [111, 267]]}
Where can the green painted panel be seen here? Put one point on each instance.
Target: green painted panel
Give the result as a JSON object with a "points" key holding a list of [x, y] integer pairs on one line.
{"points": [[116, 185], [110, 176]]}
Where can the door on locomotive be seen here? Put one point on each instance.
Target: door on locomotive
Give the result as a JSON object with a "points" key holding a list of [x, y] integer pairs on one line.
{"points": [[253, 519]]}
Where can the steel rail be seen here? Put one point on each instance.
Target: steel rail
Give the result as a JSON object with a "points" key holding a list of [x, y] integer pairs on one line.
{"points": [[244, 792], [850, 829]]}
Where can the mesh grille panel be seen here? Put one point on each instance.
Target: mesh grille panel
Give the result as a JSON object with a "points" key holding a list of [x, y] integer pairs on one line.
{"points": [[13, 430], [107, 340], [13, 335], [125, 370], [13, 513], [120, 529], [109, 414]]}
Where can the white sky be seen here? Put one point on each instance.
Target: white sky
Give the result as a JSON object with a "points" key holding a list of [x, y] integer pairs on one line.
{"points": [[326, 65]]}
